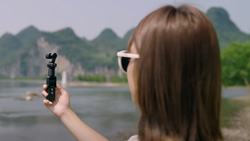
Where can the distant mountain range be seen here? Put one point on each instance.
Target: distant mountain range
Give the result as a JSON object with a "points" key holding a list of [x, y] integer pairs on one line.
{"points": [[23, 55], [226, 30]]}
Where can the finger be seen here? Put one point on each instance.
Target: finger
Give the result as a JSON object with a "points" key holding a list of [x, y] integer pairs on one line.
{"points": [[45, 86], [45, 94], [46, 102]]}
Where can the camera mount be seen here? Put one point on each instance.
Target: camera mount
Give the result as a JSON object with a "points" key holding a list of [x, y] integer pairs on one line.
{"points": [[51, 78]]}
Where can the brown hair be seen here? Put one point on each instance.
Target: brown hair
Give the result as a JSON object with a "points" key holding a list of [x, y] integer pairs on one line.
{"points": [[178, 76]]}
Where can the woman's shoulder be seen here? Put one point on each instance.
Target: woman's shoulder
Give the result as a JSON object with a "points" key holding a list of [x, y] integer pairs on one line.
{"points": [[133, 138]]}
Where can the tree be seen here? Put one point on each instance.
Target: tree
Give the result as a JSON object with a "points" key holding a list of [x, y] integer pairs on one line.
{"points": [[236, 65]]}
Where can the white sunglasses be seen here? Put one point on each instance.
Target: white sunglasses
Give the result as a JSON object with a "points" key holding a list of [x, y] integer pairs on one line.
{"points": [[124, 58]]}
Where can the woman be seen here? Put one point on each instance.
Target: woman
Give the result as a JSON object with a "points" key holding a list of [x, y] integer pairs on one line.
{"points": [[173, 69]]}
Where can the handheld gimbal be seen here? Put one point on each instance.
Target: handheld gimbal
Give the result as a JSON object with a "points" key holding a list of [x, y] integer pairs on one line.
{"points": [[51, 78]]}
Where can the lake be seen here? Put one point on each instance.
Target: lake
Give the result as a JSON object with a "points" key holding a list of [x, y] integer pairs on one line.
{"points": [[109, 110]]}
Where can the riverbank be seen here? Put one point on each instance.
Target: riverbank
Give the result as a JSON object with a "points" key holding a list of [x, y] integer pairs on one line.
{"points": [[75, 83], [95, 84], [70, 83], [236, 119]]}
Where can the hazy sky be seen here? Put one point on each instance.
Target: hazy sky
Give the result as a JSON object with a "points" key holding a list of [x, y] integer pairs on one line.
{"points": [[89, 17]]}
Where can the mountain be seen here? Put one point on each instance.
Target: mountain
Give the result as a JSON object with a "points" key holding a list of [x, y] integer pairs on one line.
{"points": [[26, 51], [63, 37], [23, 54], [226, 30], [10, 42], [107, 39], [9, 48], [128, 34], [126, 38], [28, 35], [107, 43], [107, 34]]}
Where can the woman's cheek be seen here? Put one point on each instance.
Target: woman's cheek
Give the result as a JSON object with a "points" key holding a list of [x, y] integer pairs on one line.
{"points": [[131, 81]]}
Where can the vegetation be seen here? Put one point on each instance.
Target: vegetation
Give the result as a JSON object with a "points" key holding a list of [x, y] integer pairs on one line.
{"points": [[92, 78], [102, 78], [9, 48], [229, 109], [28, 36], [116, 78], [236, 64]]}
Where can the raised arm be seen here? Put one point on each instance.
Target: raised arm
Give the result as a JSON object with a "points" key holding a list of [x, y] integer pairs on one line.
{"points": [[62, 109]]}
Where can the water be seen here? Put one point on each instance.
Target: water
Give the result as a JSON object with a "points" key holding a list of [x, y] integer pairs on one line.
{"points": [[234, 92], [110, 111]]}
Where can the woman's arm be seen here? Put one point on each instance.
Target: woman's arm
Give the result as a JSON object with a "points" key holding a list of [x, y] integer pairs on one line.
{"points": [[62, 109]]}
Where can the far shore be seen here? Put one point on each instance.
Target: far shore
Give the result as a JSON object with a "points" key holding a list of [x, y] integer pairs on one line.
{"points": [[72, 83], [75, 83], [235, 87], [95, 84]]}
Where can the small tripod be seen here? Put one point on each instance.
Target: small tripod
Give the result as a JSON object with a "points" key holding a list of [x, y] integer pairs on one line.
{"points": [[51, 78]]}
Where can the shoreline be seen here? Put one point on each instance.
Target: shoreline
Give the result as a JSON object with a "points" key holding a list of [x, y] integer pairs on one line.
{"points": [[71, 83], [93, 84]]}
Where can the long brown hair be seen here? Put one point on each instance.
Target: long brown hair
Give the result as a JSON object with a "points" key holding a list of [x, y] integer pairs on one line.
{"points": [[178, 76]]}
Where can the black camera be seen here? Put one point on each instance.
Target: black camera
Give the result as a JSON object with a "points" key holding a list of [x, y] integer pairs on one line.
{"points": [[51, 78], [51, 56]]}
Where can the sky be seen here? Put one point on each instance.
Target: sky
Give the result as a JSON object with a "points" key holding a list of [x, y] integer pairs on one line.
{"points": [[89, 17]]}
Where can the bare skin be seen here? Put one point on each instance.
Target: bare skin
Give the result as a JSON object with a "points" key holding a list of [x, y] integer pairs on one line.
{"points": [[62, 109], [130, 74]]}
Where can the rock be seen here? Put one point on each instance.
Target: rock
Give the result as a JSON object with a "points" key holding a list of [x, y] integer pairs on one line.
{"points": [[29, 95]]}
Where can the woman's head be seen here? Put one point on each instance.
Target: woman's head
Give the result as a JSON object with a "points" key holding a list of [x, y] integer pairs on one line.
{"points": [[177, 79]]}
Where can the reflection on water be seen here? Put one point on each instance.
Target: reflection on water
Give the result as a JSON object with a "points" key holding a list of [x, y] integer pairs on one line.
{"points": [[110, 111]]}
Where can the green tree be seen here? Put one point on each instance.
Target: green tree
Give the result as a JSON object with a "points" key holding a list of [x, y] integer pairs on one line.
{"points": [[236, 65], [91, 78], [116, 78]]}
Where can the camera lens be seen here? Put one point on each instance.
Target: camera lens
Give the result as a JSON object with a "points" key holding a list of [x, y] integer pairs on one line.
{"points": [[48, 56]]}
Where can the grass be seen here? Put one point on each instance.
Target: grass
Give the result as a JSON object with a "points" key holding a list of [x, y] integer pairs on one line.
{"points": [[230, 108]]}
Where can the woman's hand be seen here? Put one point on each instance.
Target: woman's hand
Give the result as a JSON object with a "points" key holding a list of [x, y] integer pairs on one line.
{"points": [[61, 108], [61, 105]]}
